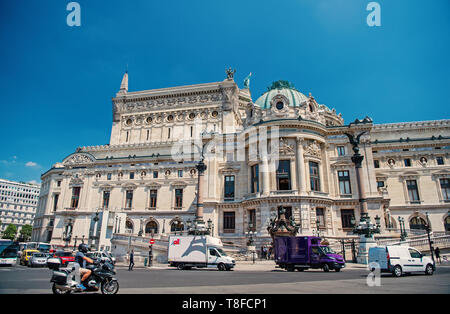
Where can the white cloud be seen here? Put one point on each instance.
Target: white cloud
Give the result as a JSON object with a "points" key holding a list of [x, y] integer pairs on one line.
{"points": [[33, 182], [31, 164]]}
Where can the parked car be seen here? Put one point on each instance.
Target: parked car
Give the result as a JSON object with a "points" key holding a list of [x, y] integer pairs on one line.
{"points": [[400, 260], [38, 260], [26, 255], [65, 257], [102, 254]]}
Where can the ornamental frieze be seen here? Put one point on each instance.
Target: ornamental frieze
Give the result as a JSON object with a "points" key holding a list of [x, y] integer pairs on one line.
{"points": [[313, 150], [78, 159]]}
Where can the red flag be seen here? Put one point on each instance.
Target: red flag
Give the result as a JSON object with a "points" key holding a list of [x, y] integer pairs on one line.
{"points": [[176, 242]]}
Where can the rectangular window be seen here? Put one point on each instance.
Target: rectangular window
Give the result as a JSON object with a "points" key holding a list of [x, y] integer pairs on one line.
{"points": [[376, 163], [153, 198], [445, 188], [341, 150], [229, 188], [178, 198], [254, 177], [129, 199], [320, 216], [314, 176], [407, 162], [55, 202], [106, 195], [180, 173], [344, 182], [413, 191], [228, 221], [75, 197], [58, 183], [252, 219], [284, 175], [380, 184], [131, 175], [346, 218], [108, 176], [155, 174], [440, 160]]}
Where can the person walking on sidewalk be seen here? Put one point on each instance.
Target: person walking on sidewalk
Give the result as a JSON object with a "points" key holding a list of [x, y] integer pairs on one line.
{"points": [[130, 266], [437, 252]]}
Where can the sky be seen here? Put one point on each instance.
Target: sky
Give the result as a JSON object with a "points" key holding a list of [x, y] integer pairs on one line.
{"points": [[57, 81]]}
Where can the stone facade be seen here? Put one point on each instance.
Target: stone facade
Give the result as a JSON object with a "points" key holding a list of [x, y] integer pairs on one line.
{"points": [[282, 149]]}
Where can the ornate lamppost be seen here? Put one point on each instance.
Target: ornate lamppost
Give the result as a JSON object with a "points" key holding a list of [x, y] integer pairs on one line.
{"points": [[365, 229], [198, 226], [250, 244], [403, 233], [430, 242]]}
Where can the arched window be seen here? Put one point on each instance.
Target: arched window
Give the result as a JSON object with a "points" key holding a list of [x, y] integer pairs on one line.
{"points": [[128, 226], [176, 226], [151, 226], [417, 223], [447, 224]]}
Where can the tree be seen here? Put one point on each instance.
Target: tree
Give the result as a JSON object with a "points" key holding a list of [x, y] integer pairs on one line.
{"points": [[10, 232], [25, 232]]}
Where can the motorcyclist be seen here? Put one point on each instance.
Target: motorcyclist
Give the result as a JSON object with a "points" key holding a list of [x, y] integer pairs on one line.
{"points": [[81, 259]]}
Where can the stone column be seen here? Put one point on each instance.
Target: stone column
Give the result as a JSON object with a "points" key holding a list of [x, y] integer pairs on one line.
{"points": [[300, 167], [264, 170]]}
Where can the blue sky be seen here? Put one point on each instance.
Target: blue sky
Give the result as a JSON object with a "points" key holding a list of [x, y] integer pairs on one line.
{"points": [[57, 81]]}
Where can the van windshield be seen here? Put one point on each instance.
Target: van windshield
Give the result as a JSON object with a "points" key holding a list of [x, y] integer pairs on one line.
{"points": [[222, 253], [327, 250]]}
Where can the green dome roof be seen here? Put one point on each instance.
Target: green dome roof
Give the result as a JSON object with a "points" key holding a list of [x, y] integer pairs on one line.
{"points": [[284, 88]]}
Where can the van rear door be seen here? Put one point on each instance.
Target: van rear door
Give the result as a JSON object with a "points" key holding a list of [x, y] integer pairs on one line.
{"points": [[378, 255]]}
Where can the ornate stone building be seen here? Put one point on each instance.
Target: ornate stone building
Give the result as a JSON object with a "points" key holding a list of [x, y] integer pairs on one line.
{"points": [[284, 148]]}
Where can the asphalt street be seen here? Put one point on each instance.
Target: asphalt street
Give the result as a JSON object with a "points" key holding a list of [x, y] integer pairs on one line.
{"points": [[24, 280]]}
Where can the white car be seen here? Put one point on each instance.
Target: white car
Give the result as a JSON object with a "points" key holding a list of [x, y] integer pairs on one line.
{"points": [[399, 260], [102, 254]]}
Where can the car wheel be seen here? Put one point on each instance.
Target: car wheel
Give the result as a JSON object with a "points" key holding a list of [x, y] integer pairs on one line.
{"points": [[429, 270], [180, 266], [326, 268], [290, 268], [337, 270], [397, 271], [222, 267]]}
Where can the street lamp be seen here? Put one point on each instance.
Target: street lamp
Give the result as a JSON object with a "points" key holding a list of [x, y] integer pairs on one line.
{"points": [[317, 227], [250, 246], [403, 233], [428, 230]]}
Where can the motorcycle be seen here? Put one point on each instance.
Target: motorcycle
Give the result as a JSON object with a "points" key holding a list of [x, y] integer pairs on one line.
{"points": [[101, 277]]}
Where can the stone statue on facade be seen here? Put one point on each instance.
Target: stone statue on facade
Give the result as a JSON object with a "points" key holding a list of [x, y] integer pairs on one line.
{"points": [[247, 81], [230, 73]]}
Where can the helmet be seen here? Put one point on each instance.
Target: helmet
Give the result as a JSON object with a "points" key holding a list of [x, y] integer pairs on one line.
{"points": [[83, 248]]}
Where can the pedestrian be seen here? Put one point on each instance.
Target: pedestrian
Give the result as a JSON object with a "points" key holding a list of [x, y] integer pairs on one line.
{"points": [[265, 252], [437, 252], [130, 267], [270, 251], [262, 251]]}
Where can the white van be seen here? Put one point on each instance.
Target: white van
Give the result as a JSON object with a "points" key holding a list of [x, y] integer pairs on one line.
{"points": [[198, 251], [400, 260]]}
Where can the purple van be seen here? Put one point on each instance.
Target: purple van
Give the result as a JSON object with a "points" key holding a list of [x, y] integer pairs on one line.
{"points": [[305, 252]]}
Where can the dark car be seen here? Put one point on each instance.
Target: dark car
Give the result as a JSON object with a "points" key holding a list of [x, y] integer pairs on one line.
{"points": [[65, 257]]}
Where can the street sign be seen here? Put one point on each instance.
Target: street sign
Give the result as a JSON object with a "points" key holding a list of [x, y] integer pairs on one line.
{"points": [[152, 241]]}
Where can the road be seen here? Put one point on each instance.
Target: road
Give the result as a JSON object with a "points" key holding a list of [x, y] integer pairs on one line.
{"points": [[23, 280]]}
